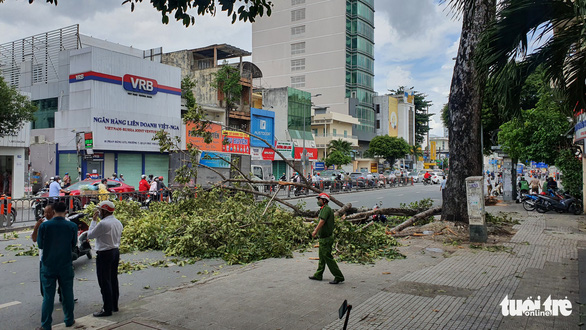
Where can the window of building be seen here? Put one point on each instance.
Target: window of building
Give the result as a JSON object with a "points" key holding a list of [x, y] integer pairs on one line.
{"points": [[298, 48], [45, 116], [297, 30], [297, 14], [378, 124], [297, 2], [314, 132], [377, 107], [345, 133], [298, 64], [297, 81], [334, 133]]}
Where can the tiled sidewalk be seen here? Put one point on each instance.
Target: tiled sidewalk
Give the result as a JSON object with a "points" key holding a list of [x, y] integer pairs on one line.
{"points": [[467, 288]]}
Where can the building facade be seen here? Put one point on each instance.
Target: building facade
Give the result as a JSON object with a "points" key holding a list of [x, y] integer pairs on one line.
{"points": [[322, 47], [122, 95]]}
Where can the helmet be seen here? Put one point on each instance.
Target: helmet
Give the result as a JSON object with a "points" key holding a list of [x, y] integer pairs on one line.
{"points": [[66, 173], [324, 196], [161, 177], [106, 205], [52, 178], [113, 174], [143, 176], [317, 173]]}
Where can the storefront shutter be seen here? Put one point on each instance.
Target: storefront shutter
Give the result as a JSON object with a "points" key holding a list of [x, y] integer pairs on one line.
{"points": [[131, 166], [157, 165], [67, 164]]}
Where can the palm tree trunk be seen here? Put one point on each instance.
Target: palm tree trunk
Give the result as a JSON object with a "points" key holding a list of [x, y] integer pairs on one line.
{"points": [[465, 105]]}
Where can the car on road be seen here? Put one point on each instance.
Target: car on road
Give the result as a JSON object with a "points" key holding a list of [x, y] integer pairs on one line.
{"points": [[329, 176], [436, 177], [358, 179], [415, 176]]}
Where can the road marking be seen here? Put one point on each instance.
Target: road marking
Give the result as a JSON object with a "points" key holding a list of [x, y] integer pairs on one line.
{"points": [[353, 202], [12, 303], [380, 197]]}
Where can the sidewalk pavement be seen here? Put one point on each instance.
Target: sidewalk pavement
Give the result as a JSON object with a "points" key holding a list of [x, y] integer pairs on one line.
{"points": [[437, 286]]}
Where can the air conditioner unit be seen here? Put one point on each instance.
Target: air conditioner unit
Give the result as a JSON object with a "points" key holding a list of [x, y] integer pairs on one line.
{"points": [[38, 139]]}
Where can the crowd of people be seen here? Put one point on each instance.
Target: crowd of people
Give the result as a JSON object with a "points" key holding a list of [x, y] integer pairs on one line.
{"points": [[534, 182]]}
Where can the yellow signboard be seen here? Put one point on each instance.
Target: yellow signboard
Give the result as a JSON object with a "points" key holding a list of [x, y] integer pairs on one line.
{"points": [[393, 117], [432, 150], [373, 167]]}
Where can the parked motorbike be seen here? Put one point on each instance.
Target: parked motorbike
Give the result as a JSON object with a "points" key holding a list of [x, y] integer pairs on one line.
{"points": [[561, 204], [378, 217], [83, 246], [427, 181]]}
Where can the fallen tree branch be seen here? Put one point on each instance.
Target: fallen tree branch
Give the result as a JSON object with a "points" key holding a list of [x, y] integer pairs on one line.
{"points": [[296, 210], [385, 211], [410, 221]]}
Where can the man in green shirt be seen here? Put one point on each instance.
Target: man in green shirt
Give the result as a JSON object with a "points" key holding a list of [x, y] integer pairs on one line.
{"points": [[325, 231], [57, 237]]}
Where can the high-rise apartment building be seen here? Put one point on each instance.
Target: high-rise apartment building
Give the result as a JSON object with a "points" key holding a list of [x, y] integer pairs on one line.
{"points": [[324, 47]]}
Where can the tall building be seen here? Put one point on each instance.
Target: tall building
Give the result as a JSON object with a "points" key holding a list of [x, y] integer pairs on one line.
{"points": [[324, 47]]}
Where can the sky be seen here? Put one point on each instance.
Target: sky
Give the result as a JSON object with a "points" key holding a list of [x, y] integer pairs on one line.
{"points": [[415, 40]]}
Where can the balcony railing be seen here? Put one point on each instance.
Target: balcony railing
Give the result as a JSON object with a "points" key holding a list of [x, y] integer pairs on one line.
{"points": [[339, 136]]}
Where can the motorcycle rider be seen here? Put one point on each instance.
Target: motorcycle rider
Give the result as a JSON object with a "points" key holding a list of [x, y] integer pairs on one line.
{"points": [[427, 177]]}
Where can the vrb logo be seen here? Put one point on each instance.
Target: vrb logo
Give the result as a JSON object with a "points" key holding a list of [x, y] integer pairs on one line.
{"points": [[140, 84]]}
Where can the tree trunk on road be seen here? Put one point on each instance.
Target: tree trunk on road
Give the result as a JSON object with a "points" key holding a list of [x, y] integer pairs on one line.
{"points": [[465, 105]]}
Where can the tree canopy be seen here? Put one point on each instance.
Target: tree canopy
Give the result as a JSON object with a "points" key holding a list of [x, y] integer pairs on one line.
{"points": [[15, 109], [388, 147], [245, 10], [339, 153]]}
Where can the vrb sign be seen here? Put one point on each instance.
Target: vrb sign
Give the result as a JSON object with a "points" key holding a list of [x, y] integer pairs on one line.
{"points": [[139, 84]]}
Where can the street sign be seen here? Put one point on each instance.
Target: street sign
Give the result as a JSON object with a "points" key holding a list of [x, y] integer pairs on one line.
{"points": [[89, 140]]}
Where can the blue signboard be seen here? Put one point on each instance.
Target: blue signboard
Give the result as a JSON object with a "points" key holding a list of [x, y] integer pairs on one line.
{"points": [[319, 166], [213, 159], [262, 124]]}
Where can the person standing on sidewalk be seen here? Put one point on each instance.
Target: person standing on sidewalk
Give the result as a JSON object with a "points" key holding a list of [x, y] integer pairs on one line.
{"points": [[57, 238], [534, 184], [107, 233], [325, 232]]}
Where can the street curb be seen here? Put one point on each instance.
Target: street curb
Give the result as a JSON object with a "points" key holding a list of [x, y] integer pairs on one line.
{"points": [[11, 229]]}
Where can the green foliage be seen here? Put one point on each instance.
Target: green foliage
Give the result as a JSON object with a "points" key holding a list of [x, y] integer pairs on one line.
{"points": [[339, 153], [338, 158], [571, 168], [236, 228], [246, 10], [227, 81], [419, 206], [364, 245], [539, 133], [15, 109], [388, 147]]}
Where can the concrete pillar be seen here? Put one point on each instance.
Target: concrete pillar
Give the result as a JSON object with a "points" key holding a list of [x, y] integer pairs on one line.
{"points": [[507, 170], [476, 215]]}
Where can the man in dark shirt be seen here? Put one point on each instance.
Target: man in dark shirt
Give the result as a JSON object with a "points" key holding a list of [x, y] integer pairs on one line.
{"points": [[325, 231], [57, 237]]}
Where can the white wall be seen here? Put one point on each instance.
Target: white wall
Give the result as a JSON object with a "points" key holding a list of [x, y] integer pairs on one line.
{"points": [[325, 50], [93, 104]]}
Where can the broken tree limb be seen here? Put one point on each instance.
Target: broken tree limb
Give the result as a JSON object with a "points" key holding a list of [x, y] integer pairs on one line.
{"points": [[410, 221], [343, 210], [385, 211], [296, 210]]}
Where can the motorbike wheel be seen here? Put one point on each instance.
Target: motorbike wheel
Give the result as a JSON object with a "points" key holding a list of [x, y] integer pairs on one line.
{"points": [[528, 206], [38, 211], [576, 208], [541, 206]]}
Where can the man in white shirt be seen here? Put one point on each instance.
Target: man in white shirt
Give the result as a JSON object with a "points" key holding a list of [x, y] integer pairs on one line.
{"points": [[107, 233], [55, 189]]}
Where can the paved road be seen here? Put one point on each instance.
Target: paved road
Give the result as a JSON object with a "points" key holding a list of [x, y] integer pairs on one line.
{"points": [[20, 298], [392, 197]]}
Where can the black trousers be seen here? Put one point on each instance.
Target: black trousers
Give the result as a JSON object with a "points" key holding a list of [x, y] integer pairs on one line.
{"points": [[107, 271]]}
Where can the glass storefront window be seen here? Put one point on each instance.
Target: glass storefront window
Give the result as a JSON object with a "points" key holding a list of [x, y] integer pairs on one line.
{"points": [[45, 115], [299, 110]]}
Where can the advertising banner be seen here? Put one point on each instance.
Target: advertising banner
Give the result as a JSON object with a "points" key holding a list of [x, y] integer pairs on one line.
{"points": [[215, 145], [127, 131], [393, 117], [238, 143], [262, 124], [213, 159], [319, 166], [268, 154], [285, 148], [580, 129], [311, 153], [432, 150]]}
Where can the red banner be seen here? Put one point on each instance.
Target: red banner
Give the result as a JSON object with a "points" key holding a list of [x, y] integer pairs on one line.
{"points": [[238, 143], [311, 153], [268, 154]]}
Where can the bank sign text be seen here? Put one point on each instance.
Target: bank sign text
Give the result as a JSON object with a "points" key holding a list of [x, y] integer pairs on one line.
{"points": [[139, 84]]}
